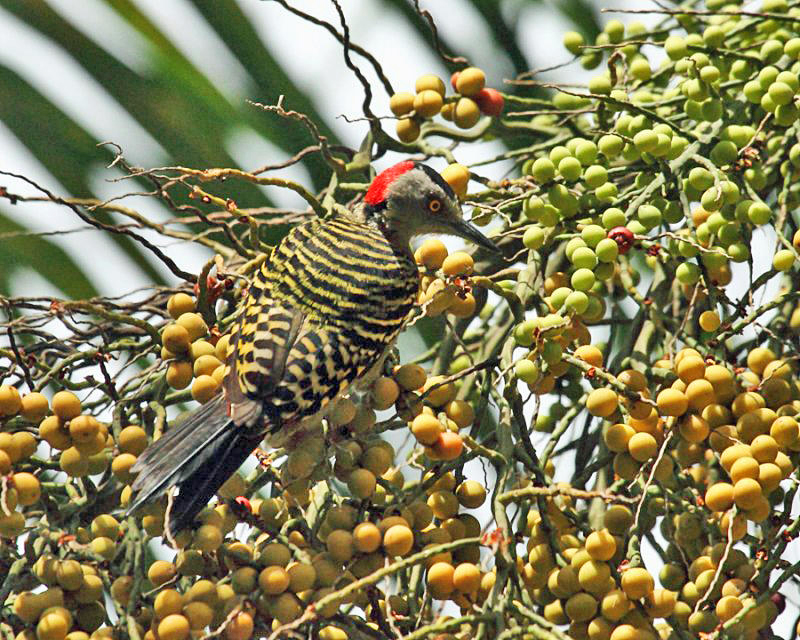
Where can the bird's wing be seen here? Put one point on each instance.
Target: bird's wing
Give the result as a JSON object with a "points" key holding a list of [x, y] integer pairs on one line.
{"points": [[320, 313]]}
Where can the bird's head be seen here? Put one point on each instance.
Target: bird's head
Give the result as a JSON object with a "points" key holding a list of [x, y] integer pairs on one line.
{"points": [[412, 199]]}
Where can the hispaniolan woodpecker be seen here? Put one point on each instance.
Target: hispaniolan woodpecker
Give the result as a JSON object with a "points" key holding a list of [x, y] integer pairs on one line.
{"points": [[327, 303]]}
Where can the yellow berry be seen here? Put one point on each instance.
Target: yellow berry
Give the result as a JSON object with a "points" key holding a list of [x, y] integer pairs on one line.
{"points": [[470, 81], [430, 82], [34, 406], [10, 401], [457, 176], [401, 103], [66, 405], [709, 321], [427, 103], [466, 113], [180, 303], [408, 130]]}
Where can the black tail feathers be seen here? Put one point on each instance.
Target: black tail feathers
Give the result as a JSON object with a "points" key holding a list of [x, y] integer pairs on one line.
{"points": [[196, 457]]}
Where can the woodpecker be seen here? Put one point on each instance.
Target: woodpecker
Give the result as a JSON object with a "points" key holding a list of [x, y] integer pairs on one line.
{"points": [[327, 303]]}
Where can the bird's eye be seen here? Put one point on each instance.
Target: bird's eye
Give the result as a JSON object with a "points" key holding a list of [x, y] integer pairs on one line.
{"points": [[435, 205]]}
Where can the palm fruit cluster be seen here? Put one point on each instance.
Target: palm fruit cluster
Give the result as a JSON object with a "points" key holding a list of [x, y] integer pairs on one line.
{"points": [[193, 360], [464, 109]]}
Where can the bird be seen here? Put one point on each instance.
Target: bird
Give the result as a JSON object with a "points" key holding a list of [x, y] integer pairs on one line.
{"points": [[320, 315]]}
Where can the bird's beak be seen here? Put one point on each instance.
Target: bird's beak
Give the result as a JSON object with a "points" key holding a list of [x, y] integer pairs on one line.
{"points": [[470, 232]]}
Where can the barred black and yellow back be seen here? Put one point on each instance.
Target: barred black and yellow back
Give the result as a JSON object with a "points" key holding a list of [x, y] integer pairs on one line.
{"points": [[322, 310]]}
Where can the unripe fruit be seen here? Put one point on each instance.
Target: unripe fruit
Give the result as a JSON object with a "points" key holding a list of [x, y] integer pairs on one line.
{"points": [[431, 254], [121, 467], [361, 483], [672, 402], [179, 374], [28, 487], [426, 428]]}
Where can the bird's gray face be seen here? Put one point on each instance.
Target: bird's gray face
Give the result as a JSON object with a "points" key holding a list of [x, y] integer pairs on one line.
{"points": [[420, 202]]}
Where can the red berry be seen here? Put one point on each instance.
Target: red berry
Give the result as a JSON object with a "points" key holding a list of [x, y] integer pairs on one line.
{"points": [[454, 79], [623, 237], [490, 102]]}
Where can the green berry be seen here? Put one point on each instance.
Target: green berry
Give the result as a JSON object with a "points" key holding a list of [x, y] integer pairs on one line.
{"points": [[573, 41], [787, 77], [759, 213], [792, 48], [607, 250], [577, 302], [573, 245], [584, 258], [533, 208], [786, 114], [700, 178], [724, 152], [592, 234], [753, 91], [582, 279], [613, 217], [615, 31], [600, 85], [677, 145], [645, 140], [610, 145], [570, 169], [640, 69], [527, 371], [687, 273], [739, 252], [586, 152], [558, 153], [783, 260], [543, 170], [606, 192], [649, 216], [780, 92], [533, 238], [559, 296], [712, 199], [771, 51], [595, 175], [767, 76], [713, 36], [675, 47]]}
